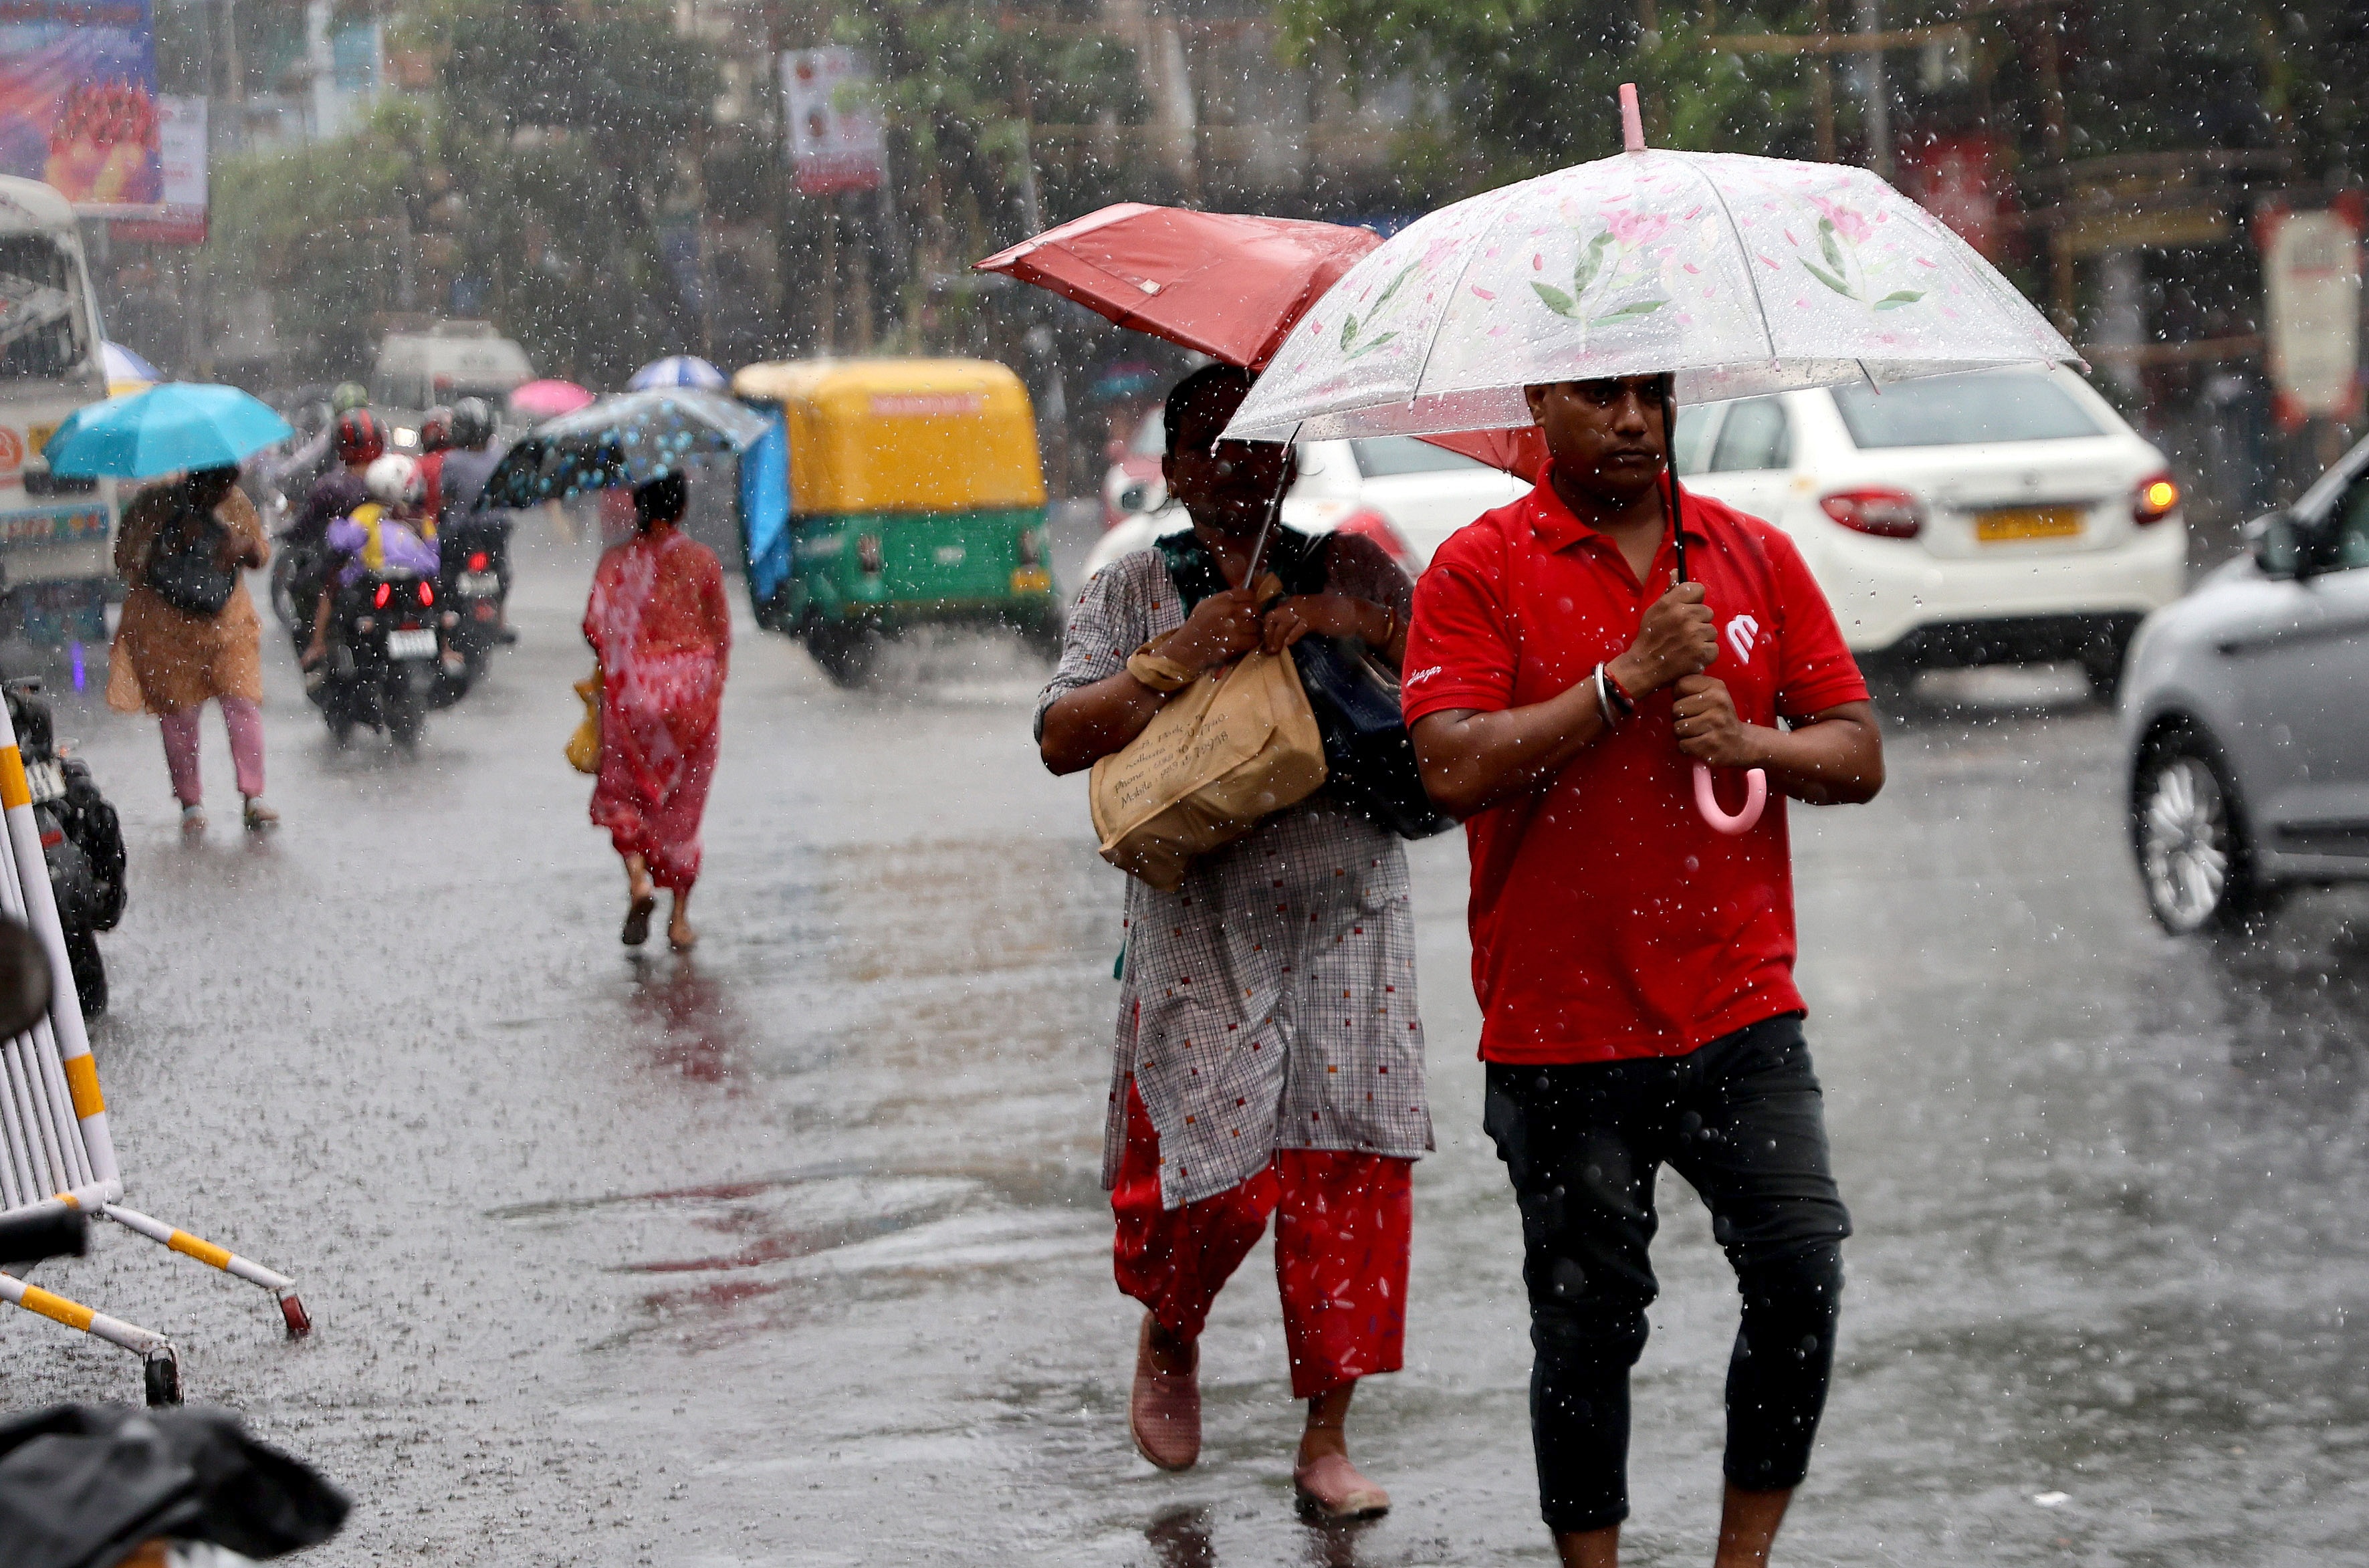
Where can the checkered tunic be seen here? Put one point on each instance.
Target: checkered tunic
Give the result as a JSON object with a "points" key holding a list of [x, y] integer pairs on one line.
{"points": [[1268, 1002]]}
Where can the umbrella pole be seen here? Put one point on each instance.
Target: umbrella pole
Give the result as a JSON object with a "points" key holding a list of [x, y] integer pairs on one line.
{"points": [[1756, 781], [1670, 495]]}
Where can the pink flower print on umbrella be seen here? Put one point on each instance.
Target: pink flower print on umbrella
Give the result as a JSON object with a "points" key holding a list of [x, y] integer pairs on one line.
{"points": [[1847, 270]]}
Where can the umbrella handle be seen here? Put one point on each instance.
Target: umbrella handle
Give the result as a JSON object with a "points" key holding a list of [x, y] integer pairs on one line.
{"points": [[1755, 797]]}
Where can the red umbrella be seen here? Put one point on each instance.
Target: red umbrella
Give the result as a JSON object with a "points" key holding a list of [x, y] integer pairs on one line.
{"points": [[1231, 285], [1227, 284], [549, 399]]}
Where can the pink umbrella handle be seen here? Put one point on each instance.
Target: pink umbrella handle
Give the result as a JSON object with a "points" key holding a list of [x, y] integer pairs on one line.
{"points": [[1756, 796]]}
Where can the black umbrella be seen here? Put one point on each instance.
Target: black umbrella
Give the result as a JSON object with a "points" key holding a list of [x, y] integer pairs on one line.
{"points": [[626, 440], [84, 1486]]}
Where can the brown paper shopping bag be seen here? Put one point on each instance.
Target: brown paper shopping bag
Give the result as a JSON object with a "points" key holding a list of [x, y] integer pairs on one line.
{"points": [[1239, 743]]}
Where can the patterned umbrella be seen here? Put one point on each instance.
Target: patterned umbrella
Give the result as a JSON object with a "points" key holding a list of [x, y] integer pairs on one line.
{"points": [[677, 370], [619, 441]]}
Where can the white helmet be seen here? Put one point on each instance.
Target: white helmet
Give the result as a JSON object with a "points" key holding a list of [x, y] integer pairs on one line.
{"points": [[394, 482]]}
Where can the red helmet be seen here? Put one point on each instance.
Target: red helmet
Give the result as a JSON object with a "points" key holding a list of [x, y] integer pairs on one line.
{"points": [[435, 430], [361, 436]]}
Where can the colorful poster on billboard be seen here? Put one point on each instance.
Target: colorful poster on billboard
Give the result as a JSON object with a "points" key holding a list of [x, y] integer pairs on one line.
{"points": [[182, 142], [78, 102], [834, 131]]}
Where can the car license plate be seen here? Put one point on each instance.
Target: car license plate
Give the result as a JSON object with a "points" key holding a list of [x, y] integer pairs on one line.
{"points": [[411, 645], [45, 782], [2012, 523], [479, 584]]}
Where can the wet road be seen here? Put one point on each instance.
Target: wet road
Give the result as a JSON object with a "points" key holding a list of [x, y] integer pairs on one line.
{"points": [[792, 1251]]}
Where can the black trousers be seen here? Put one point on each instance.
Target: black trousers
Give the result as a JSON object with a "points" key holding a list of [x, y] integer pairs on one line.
{"points": [[1741, 1120]]}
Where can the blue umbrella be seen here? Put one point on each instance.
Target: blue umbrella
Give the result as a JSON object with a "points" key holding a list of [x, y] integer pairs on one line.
{"points": [[165, 429], [678, 370], [622, 440]]}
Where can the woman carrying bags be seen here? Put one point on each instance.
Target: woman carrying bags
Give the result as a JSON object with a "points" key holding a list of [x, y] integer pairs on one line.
{"points": [[190, 632], [1269, 1054], [662, 630]]}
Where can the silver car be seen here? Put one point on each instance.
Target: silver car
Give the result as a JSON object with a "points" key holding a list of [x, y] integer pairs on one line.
{"points": [[2245, 709]]}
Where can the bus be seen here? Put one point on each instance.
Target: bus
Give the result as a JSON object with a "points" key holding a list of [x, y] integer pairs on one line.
{"points": [[56, 535]]}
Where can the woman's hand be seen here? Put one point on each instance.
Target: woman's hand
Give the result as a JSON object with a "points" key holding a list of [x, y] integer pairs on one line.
{"points": [[1327, 614], [1223, 626]]}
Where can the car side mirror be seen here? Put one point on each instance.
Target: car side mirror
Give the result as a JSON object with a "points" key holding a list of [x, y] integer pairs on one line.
{"points": [[2278, 544]]}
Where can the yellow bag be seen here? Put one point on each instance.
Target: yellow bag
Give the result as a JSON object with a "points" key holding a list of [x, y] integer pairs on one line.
{"points": [[584, 746], [1239, 743]]}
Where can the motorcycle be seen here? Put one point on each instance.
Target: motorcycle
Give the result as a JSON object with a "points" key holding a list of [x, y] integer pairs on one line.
{"points": [[475, 557], [387, 658], [81, 839]]}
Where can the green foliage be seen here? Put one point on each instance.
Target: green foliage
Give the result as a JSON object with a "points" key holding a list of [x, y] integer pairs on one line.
{"points": [[540, 170]]}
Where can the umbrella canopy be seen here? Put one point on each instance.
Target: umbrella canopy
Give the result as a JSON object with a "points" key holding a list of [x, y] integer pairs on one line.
{"points": [[677, 370], [545, 399], [1227, 284], [626, 440], [163, 430], [1743, 275]]}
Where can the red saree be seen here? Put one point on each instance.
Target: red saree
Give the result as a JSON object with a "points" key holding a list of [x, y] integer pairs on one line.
{"points": [[663, 630]]}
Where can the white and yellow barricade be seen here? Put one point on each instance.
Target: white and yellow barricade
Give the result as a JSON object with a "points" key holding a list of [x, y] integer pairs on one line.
{"points": [[54, 1144]]}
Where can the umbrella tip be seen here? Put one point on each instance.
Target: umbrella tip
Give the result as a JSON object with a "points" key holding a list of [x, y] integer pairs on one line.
{"points": [[1632, 124]]}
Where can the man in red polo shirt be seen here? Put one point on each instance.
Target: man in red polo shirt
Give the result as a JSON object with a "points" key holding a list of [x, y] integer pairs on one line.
{"points": [[1634, 967]]}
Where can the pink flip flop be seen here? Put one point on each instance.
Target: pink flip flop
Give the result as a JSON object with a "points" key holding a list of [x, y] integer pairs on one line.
{"points": [[1331, 1488], [1163, 1411]]}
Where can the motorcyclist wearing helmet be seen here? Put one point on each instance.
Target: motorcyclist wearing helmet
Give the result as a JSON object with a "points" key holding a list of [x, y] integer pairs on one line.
{"points": [[382, 533], [471, 460], [466, 468], [347, 396], [361, 438], [435, 444]]}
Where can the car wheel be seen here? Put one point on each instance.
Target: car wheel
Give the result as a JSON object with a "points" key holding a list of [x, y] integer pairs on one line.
{"points": [[2191, 841], [847, 652]]}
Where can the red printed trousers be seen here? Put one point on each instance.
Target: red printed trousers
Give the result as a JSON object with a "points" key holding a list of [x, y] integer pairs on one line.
{"points": [[1343, 1221]]}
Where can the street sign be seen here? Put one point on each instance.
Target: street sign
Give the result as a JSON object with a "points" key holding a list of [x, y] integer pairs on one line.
{"points": [[835, 141], [2311, 287]]}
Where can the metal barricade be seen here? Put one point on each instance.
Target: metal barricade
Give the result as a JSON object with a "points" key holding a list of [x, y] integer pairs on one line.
{"points": [[55, 1149]]}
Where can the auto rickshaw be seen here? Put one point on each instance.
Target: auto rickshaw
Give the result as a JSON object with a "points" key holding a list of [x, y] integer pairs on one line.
{"points": [[914, 498]]}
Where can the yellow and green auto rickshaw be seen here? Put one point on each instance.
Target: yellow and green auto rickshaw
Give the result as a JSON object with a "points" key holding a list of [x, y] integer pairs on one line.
{"points": [[894, 494]]}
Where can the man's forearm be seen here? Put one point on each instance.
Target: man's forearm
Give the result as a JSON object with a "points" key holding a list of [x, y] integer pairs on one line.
{"points": [[1834, 760], [1471, 761]]}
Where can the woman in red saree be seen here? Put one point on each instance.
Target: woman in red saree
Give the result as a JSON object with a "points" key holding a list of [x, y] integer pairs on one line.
{"points": [[659, 623]]}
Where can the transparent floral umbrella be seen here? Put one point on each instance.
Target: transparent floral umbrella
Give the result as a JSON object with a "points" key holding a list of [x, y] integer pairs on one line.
{"points": [[1744, 276]]}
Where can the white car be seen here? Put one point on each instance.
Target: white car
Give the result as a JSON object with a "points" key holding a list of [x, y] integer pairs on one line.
{"points": [[1407, 495], [1993, 518]]}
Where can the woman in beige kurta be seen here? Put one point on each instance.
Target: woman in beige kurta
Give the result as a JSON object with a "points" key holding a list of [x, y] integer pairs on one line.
{"points": [[169, 662]]}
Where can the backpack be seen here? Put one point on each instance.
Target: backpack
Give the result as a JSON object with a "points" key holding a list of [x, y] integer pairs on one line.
{"points": [[182, 567]]}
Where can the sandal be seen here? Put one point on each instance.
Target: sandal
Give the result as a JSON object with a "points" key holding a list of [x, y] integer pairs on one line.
{"points": [[637, 919], [1330, 1488]]}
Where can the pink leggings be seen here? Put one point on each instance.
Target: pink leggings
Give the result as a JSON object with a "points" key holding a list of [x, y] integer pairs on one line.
{"points": [[245, 722]]}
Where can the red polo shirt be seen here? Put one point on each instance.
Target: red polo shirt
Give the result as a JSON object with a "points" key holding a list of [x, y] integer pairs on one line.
{"points": [[1608, 920]]}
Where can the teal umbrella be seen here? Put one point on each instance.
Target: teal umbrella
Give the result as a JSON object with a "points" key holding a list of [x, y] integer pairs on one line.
{"points": [[165, 429]]}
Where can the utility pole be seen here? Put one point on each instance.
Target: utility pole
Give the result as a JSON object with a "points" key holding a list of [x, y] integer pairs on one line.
{"points": [[1878, 110], [1822, 92]]}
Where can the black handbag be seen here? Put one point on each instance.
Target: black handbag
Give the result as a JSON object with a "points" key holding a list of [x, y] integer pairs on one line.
{"points": [[183, 569], [1369, 760]]}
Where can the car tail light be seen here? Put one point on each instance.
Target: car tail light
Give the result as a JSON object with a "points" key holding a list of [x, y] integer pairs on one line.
{"points": [[2156, 498], [478, 562], [384, 592], [868, 556], [1370, 524], [1886, 514], [427, 594]]}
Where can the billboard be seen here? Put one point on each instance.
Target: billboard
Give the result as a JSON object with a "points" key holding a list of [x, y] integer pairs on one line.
{"points": [[78, 102], [834, 131]]}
